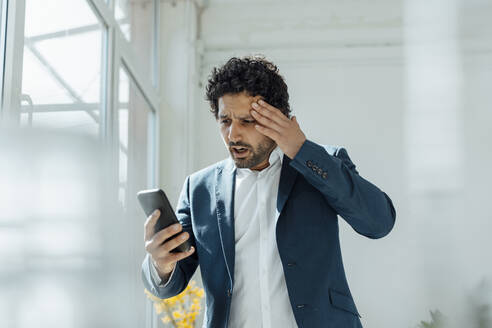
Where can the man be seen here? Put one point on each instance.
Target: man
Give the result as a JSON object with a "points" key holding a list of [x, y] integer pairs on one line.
{"points": [[263, 223]]}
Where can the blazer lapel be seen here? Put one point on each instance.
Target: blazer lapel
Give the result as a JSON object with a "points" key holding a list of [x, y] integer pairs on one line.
{"points": [[287, 178], [224, 193]]}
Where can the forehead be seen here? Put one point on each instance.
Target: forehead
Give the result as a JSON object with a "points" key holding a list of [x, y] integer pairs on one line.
{"points": [[236, 104]]}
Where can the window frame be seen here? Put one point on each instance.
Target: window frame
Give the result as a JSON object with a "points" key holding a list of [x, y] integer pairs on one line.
{"points": [[13, 60], [3, 30], [118, 53], [116, 50]]}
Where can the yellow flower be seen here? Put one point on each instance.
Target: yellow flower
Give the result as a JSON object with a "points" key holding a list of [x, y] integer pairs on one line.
{"points": [[170, 301], [177, 315], [181, 309], [159, 307]]}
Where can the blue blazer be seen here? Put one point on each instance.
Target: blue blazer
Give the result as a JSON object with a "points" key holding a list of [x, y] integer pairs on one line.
{"points": [[315, 186]]}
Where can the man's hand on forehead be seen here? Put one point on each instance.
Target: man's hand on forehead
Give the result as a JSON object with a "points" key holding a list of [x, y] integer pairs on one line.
{"points": [[278, 127]]}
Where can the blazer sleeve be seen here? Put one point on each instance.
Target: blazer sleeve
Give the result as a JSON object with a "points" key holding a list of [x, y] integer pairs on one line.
{"points": [[364, 206], [185, 268]]}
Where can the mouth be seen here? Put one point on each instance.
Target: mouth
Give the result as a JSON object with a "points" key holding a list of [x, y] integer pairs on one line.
{"points": [[239, 152]]}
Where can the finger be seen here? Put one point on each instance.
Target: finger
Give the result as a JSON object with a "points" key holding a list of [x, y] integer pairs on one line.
{"points": [[272, 109], [149, 224], [272, 134], [272, 113], [175, 242], [266, 121], [171, 258], [160, 236], [167, 232], [181, 255]]}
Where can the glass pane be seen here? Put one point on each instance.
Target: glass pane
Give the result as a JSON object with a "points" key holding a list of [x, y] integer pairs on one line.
{"points": [[135, 154], [152, 147], [136, 21], [63, 60], [124, 95], [136, 139]]}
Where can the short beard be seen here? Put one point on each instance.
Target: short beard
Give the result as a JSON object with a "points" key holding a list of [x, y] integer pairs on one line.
{"points": [[259, 155]]}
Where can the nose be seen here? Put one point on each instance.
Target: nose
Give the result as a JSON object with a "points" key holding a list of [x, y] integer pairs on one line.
{"points": [[234, 132]]}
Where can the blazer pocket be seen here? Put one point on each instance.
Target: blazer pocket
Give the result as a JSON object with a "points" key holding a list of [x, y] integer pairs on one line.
{"points": [[343, 302]]}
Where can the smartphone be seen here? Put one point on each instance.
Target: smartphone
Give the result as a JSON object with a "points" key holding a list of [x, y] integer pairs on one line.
{"points": [[153, 199]]}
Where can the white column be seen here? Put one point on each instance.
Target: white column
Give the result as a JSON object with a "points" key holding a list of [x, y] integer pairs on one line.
{"points": [[177, 61], [434, 151]]}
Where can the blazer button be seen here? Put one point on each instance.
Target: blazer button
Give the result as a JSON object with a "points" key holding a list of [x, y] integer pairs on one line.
{"points": [[309, 164], [325, 175], [315, 167], [320, 171]]}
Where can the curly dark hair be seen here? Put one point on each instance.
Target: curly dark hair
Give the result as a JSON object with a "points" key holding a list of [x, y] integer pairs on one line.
{"points": [[252, 74]]}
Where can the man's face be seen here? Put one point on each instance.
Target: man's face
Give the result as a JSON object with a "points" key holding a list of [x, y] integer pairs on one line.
{"points": [[247, 146]]}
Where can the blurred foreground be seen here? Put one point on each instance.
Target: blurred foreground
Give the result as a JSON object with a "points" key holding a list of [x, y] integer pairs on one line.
{"points": [[64, 259]]}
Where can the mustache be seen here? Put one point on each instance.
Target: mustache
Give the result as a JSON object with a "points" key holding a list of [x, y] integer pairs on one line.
{"points": [[239, 144]]}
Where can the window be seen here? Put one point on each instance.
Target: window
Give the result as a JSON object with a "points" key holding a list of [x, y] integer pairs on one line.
{"points": [[124, 96], [136, 121], [63, 56], [135, 18], [76, 66]]}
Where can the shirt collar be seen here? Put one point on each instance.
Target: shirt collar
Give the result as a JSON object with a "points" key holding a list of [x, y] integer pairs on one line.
{"points": [[276, 154]]}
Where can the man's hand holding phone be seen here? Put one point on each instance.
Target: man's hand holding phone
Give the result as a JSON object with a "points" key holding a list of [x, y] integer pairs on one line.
{"points": [[160, 252]]}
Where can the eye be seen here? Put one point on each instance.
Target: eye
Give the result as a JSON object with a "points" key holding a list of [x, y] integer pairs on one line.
{"points": [[249, 121], [224, 121]]}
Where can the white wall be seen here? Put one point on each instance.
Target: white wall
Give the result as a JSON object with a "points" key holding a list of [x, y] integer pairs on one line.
{"points": [[350, 67], [343, 66], [177, 56]]}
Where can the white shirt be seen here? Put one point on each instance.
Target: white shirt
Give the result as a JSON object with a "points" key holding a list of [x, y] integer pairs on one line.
{"points": [[260, 297]]}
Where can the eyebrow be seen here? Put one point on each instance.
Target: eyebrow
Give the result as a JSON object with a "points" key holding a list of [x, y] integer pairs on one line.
{"points": [[245, 117]]}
